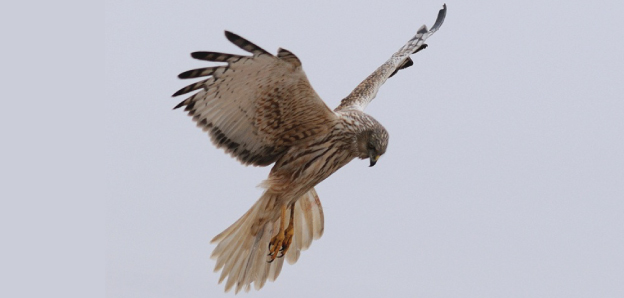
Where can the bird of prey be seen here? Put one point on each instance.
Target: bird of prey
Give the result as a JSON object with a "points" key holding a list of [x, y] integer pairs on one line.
{"points": [[262, 110]]}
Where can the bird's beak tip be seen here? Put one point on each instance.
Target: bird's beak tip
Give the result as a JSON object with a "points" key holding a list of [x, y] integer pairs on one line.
{"points": [[373, 160]]}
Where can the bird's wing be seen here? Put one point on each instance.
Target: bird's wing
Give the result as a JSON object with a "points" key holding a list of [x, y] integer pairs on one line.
{"points": [[366, 91], [255, 107]]}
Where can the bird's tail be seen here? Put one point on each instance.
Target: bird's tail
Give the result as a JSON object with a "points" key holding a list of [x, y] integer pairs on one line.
{"points": [[242, 249]]}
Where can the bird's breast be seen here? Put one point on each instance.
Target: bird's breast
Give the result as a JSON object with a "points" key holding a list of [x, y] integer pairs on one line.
{"points": [[312, 162]]}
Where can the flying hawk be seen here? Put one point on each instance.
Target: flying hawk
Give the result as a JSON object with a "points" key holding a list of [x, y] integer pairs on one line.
{"points": [[262, 110]]}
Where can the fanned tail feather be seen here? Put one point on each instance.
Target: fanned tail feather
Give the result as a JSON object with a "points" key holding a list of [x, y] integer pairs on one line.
{"points": [[242, 248]]}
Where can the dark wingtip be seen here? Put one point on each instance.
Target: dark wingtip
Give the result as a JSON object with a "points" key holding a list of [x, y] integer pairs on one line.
{"points": [[198, 55], [231, 36], [245, 44], [183, 75], [189, 74], [179, 105], [181, 91], [422, 47]]}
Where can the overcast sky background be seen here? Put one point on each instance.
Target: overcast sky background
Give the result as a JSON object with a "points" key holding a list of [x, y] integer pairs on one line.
{"points": [[504, 175]]}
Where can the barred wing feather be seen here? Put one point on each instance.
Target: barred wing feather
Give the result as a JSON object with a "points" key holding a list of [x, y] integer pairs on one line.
{"points": [[255, 107]]}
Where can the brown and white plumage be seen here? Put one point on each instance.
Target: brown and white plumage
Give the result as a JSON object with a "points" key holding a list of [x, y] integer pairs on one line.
{"points": [[262, 110], [245, 103]]}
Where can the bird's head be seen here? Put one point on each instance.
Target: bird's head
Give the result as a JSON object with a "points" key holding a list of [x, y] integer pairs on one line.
{"points": [[372, 143]]}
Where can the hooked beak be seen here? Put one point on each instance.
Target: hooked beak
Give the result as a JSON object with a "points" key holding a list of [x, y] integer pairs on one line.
{"points": [[373, 159]]}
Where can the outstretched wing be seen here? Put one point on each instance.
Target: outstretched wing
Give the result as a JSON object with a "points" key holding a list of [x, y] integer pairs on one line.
{"points": [[255, 107], [367, 90]]}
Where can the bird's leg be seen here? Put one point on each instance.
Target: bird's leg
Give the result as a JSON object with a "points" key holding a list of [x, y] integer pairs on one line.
{"points": [[281, 242], [288, 233], [275, 245]]}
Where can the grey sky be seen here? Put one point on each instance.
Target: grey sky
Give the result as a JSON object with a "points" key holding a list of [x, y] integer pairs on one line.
{"points": [[504, 176]]}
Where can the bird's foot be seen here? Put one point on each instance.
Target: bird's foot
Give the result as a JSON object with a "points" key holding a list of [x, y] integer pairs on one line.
{"points": [[280, 243], [278, 246], [275, 246]]}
